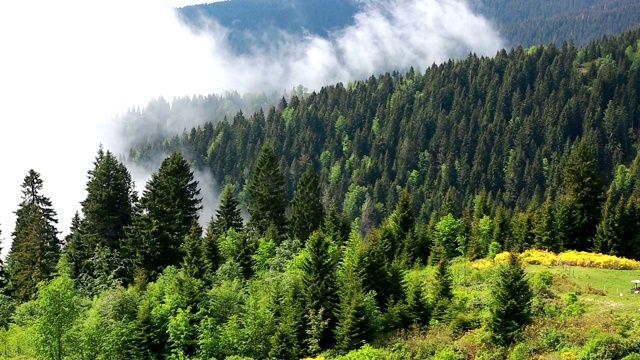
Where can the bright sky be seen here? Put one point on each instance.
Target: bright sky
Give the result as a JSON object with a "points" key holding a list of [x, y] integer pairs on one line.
{"points": [[65, 68]]}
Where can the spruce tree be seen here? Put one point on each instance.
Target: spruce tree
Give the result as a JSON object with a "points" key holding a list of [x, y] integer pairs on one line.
{"points": [[583, 200], [108, 211], [442, 291], [319, 280], [307, 213], [267, 194], [164, 216], [193, 261], [35, 248], [546, 236], [228, 214], [417, 306], [511, 307]]}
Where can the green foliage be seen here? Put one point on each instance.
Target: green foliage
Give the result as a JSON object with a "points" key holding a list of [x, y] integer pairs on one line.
{"points": [[164, 216], [35, 248], [442, 292], [307, 213], [605, 347], [267, 195], [511, 308], [228, 214]]}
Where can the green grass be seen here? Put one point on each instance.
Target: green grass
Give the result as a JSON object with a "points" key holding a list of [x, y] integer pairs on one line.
{"points": [[589, 283]]}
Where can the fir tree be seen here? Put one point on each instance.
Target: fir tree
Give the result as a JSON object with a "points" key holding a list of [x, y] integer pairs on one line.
{"points": [[583, 204], [267, 195], [193, 261], [228, 215], [546, 236], [108, 210], [417, 307], [165, 214], [319, 280], [511, 307], [442, 291], [35, 248], [307, 213]]}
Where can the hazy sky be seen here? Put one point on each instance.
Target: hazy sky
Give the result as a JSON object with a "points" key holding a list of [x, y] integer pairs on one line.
{"points": [[68, 66]]}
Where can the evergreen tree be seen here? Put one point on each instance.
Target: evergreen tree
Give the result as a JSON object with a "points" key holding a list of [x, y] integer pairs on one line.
{"points": [[210, 249], [511, 307], [165, 214], [108, 210], [442, 291], [228, 215], [307, 213], [417, 306], [546, 237], [267, 195], [193, 261], [584, 191], [35, 248], [319, 279]]}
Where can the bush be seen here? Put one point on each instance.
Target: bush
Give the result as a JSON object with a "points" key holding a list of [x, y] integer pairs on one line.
{"points": [[551, 339], [632, 357], [604, 347], [520, 352], [449, 354]]}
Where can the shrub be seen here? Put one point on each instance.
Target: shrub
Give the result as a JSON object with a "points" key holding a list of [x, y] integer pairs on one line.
{"points": [[603, 347], [551, 339], [585, 259], [520, 352]]}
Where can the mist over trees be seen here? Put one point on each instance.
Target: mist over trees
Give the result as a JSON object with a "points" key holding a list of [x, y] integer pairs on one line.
{"points": [[361, 199]]}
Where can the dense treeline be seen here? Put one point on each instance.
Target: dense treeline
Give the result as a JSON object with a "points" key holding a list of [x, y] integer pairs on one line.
{"points": [[359, 199], [534, 22], [260, 25], [508, 132]]}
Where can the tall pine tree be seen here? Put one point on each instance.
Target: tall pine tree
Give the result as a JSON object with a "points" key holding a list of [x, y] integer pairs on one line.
{"points": [[306, 209], [164, 216], [36, 248], [267, 194]]}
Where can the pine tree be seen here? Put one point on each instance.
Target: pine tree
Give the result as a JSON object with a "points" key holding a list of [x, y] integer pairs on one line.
{"points": [[511, 308], [228, 215], [193, 261], [267, 195], [417, 307], [307, 213], [165, 214], [442, 291], [35, 248], [108, 211], [210, 250], [319, 280], [584, 199], [546, 236]]}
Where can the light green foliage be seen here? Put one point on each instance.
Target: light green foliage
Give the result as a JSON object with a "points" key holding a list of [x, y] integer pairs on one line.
{"points": [[445, 238], [369, 353], [353, 201], [57, 308], [604, 347]]}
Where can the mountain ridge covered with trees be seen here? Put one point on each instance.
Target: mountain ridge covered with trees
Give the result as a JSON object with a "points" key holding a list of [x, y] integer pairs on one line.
{"points": [[365, 201]]}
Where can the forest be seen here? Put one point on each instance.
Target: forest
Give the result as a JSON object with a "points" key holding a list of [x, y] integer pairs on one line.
{"points": [[388, 218], [260, 24]]}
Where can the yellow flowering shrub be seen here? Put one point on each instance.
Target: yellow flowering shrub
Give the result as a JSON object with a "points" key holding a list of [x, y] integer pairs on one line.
{"points": [[585, 259], [572, 258], [539, 257]]}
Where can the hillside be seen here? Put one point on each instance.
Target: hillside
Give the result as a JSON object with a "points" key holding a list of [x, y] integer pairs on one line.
{"points": [[262, 24]]}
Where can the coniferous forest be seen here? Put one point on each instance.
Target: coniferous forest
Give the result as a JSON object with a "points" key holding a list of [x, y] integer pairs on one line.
{"points": [[349, 221]]}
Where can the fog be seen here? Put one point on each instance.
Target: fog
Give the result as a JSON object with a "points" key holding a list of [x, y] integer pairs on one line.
{"points": [[67, 67]]}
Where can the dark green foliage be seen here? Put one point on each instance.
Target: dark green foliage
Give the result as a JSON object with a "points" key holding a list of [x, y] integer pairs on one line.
{"points": [[228, 214], [194, 263], [307, 213], [164, 216], [108, 210], [417, 306], [511, 307], [442, 291], [35, 248], [319, 280], [581, 212], [210, 250], [267, 195], [546, 235]]}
